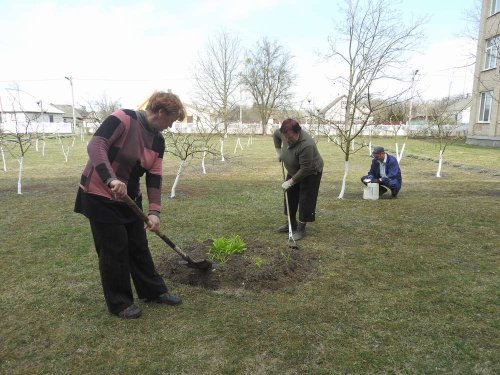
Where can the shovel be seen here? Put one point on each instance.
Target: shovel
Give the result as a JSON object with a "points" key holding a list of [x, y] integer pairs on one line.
{"points": [[198, 264], [291, 241]]}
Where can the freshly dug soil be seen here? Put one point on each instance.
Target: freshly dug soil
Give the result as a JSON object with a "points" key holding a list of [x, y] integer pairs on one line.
{"points": [[258, 268]]}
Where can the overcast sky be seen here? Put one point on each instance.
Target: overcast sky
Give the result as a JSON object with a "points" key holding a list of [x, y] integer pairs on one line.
{"points": [[127, 49]]}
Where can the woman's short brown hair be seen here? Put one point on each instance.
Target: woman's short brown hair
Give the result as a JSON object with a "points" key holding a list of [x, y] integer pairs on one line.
{"points": [[167, 101], [290, 124]]}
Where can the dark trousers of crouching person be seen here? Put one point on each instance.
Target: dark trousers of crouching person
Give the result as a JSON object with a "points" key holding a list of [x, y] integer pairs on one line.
{"points": [[302, 197], [124, 253]]}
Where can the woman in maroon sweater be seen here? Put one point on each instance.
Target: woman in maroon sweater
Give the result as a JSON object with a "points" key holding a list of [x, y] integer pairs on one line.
{"points": [[127, 145]]}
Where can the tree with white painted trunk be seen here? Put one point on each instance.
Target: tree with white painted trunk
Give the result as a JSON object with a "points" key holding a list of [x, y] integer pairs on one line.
{"points": [[187, 146], [18, 143], [2, 152], [371, 45], [444, 124]]}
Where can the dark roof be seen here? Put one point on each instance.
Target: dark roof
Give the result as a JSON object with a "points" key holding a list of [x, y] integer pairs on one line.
{"points": [[68, 110]]}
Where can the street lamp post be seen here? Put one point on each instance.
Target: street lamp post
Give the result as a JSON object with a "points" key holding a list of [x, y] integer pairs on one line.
{"points": [[70, 79], [412, 92]]}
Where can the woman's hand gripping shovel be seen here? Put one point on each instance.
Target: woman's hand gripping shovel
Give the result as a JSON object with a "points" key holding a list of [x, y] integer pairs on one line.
{"points": [[198, 264]]}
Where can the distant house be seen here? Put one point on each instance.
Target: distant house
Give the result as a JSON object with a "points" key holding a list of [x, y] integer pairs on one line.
{"points": [[21, 112], [335, 111], [68, 113], [457, 112], [484, 125]]}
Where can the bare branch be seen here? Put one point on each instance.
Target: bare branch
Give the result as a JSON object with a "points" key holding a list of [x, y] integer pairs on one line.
{"points": [[268, 77]]}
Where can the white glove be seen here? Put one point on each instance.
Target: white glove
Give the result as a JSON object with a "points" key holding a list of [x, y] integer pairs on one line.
{"points": [[287, 184], [278, 154], [366, 180]]}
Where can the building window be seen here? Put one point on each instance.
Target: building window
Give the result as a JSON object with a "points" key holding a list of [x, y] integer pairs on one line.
{"points": [[51, 118], [495, 6], [491, 52], [486, 99]]}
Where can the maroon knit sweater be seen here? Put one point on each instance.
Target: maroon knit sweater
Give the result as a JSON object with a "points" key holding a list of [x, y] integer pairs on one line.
{"points": [[124, 147]]}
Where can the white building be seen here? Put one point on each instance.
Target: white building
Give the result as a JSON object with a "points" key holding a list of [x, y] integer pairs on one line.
{"points": [[20, 112]]}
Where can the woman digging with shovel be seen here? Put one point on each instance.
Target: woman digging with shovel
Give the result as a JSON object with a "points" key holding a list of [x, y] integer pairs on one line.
{"points": [[127, 145], [298, 152]]}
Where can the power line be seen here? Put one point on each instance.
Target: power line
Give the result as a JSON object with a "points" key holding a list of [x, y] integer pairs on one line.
{"points": [[98, 79]]}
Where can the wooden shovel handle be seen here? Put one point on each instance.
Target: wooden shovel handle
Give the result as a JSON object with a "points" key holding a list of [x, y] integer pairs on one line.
{"points": [[129, 201]]}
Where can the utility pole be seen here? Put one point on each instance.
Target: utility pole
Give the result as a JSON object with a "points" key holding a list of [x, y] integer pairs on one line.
{"points": [[70, 79], [412, 92]]}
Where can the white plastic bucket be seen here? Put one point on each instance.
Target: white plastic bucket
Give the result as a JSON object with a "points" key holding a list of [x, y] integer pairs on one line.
{"points": [[371, 191]]}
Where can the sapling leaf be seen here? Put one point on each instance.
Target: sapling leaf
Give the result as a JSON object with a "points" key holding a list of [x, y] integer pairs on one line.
{"points": [[222, 248]]}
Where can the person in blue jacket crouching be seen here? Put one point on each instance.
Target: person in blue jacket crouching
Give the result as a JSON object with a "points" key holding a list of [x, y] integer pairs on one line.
{"points": [[384, 171]]}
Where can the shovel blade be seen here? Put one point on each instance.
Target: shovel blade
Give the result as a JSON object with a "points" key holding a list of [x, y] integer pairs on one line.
{"points": [[203, 265]]}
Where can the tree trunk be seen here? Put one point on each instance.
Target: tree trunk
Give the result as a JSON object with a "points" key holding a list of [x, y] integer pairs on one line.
{"points": [[401, 153], [222, 149], [179, 172], [43, 148], [238, 143], [65, 153], [203, 162], [346, 171], [440, 163], [3, 159], [397, 152], [19, 181]]}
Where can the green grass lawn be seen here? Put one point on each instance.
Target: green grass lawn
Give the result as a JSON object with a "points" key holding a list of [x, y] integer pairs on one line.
{"points": [[405, 286]]}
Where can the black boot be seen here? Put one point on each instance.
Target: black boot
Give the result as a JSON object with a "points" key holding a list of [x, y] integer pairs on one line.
{"points": [[131, 312], [300, 232], [284, 227]]}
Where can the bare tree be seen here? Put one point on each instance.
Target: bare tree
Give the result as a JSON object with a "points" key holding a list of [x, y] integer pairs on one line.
{"points": [[268, 77], [187, 146], [217, 77], [445, 124], [100, 108], [21, 139], [472, 18], [372, 45]]}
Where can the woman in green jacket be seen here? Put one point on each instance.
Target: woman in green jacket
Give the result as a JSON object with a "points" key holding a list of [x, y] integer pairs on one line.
{"points": [[304, 164]]}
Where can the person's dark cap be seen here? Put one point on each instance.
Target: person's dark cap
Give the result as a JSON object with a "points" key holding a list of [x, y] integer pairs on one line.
{"points": [[377, 150]]}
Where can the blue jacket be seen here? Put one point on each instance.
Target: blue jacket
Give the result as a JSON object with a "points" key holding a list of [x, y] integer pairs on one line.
{"points": [[392, 171]]}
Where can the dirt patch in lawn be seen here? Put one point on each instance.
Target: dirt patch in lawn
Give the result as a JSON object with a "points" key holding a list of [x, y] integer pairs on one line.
{"points": [[259, 268]]}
